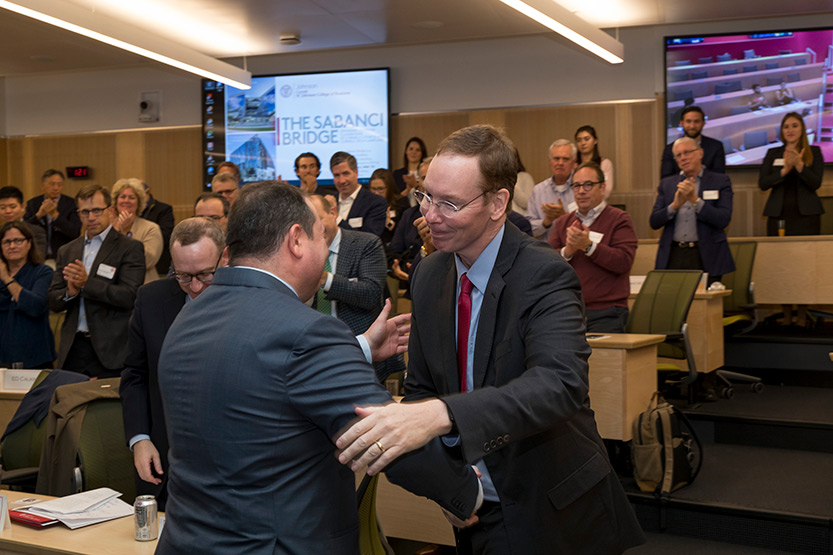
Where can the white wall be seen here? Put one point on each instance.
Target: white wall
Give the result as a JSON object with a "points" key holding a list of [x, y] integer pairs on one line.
{"points": [[522, 71]]}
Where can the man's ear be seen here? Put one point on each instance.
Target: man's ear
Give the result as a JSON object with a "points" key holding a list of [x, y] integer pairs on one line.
{"points": [[500, 201], [294, 241]]}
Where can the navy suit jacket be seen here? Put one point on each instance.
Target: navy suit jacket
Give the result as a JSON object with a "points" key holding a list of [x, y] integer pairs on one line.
{"points": [[252, 400], [372, 209], [65, 228], [157, 305], [529, 416], [711, 221], [714, 158]]}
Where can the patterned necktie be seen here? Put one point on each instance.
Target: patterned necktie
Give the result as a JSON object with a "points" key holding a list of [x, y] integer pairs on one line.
{"points": [[323, 304], [463, 323]]}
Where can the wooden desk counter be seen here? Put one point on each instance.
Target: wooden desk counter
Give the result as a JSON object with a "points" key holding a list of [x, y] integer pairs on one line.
{"points": [[114, 537]]}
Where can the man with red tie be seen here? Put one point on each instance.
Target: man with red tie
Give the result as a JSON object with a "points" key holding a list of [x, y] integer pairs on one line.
{"points": [[498, 363]]}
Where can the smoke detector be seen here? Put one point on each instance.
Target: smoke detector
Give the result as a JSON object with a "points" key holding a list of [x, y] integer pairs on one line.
{"points": [[290, 39]]}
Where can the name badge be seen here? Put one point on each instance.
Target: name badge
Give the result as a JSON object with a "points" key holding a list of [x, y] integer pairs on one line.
{"points": [[596, 237], [355, 222], [778, 162], [711, 195], [106, 271]]}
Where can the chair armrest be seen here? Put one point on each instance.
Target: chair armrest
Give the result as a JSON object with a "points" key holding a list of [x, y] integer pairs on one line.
{"points": [[18, 475]]}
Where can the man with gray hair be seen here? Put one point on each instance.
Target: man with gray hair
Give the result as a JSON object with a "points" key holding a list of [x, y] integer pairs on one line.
{"points": [[553, 197], [226, 184], [693, 208]]}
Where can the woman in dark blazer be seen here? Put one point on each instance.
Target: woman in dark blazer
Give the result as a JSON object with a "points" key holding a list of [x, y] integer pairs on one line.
{"points": [[382, 184], [24, 316], [794, 173], [406, 176]]}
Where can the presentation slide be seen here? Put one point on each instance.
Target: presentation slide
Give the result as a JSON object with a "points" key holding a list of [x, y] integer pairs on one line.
{"points": [[280, 117]]}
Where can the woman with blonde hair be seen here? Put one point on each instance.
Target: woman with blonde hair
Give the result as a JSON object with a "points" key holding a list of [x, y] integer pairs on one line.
{"points": [[129, 200]]}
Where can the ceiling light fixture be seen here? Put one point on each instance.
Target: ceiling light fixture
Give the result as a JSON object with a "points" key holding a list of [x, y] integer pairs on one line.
{"points": [[570, 26], [127, 37]]}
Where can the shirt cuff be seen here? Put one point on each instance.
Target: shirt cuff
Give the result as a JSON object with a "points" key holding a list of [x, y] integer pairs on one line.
{"points": [[479, 502], [68, 298], [699, 205], [328, 283], [137, 438], [563, 252], [671, 212], [591, 250], [363, 343]]}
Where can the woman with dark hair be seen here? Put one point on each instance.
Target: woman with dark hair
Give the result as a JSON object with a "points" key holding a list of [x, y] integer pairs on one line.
{"points": [[793, 172], [382, 184], [523, 187], [588, 151], [406, 177], [24, 316]]}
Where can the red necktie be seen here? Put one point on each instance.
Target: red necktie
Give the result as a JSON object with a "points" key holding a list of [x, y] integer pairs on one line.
{"points": [[463, 322]]}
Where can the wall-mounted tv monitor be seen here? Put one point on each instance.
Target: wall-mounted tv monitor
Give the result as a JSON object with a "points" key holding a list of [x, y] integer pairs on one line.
{"points": [[265, 128], [746, 83]]}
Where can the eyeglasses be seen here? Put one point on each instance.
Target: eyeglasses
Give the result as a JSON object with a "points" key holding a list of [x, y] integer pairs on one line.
{"points": [[15, 241], [204, 277], [95, 212], [447, 209], [685, 153], [586, 186]]}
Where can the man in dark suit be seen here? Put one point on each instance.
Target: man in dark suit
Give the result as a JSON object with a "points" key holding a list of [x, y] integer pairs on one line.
{"points": [[510, 393], [692, 121], [358, 208], [253, 400], [54, 212], [693, 208], [161, 214], [95, 281], [197, 244]]}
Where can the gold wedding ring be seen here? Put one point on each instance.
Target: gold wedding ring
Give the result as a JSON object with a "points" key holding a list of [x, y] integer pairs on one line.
{"points": [[379, 445]]}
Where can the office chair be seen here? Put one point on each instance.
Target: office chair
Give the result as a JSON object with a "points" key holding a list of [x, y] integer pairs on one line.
{"points": [[699, 74], [784, 52], [680, 63], [371, 540], [749, 54], [736, 110], [727, 145], [706, 60], [753, 139], [771, 65], [793, 77], [732, 71], [750, 68], [20, 452], [801, 61], [661, 307], [682, 95], [724, 57], [772, 81]]}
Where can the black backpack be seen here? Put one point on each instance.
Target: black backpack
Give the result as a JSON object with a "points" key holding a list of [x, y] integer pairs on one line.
{"points": [[663, 455]]}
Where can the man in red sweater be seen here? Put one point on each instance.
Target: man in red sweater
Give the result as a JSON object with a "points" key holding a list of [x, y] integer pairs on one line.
{"points": [[599, 242]]}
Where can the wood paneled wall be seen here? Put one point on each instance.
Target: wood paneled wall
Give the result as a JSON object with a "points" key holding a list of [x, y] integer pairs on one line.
{"points": [[631, 134]]}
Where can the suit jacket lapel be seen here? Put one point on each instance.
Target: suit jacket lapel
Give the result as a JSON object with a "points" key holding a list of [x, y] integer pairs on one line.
{"points": [[444, 327], [173, 304], [104, 251]]}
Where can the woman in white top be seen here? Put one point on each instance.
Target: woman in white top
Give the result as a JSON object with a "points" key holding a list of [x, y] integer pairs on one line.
{"points": [[588, 151], [523, 187], [129, 199]]}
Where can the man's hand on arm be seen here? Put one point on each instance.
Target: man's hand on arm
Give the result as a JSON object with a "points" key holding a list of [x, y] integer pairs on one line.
{"points": [[388, 431], [388, 337], [146, 459]]}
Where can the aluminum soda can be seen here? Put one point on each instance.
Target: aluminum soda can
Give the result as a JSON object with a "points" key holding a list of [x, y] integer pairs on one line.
{"points": [[145, 518]]}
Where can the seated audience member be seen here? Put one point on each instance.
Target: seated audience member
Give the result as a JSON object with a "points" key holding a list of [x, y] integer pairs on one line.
{"points": [[53, 212], [213, 206], [229, 167], [785, 95], [692, 121], [129, 199], [757, 100], [693, 210], [308, 168], [523, 188], [162, 214], [358, 208], [588, 151], [96, 281], [196, 248], [226, 184], [599, 242], [257, 448], [553, 197], [382, 184], [25, 335], [407, 177], [12, 210]]}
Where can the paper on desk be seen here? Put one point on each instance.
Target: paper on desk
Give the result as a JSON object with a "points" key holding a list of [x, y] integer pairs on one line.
{"points": [[83, 509], [5, 520]]}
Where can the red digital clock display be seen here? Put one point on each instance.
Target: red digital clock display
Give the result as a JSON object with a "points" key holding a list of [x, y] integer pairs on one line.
{"points": [[78, 172]]}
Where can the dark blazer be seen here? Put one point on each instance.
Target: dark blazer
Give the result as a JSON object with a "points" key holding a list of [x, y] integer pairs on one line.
{"points": [[359, 280], [157, 305], [406, 239], [108, 301], [162, 215], [25, 335], [372, 209], [807, 183], [65, 228], [711, 222], [39, 234], [714, 157], [252, 400], [529, 415]]}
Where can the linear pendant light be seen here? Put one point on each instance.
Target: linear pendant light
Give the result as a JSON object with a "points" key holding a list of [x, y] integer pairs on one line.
{"points": [[570, 26], [127, 37]]}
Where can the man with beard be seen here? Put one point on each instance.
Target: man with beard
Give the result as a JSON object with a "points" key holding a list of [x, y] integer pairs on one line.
{"points": [[692, 121]]}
